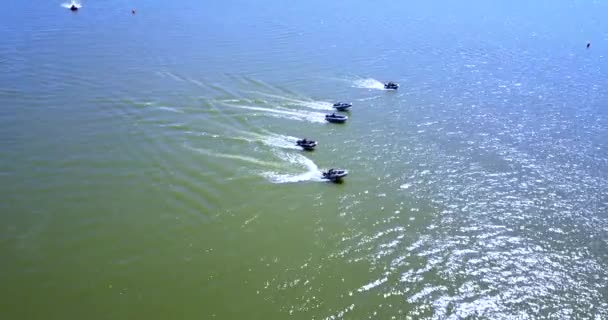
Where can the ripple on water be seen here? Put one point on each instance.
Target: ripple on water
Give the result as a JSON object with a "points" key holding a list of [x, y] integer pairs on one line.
{"points": [[518, 229]]}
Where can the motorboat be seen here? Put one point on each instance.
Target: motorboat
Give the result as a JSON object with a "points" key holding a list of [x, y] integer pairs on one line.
{"points": [[73, 7], [307, 145], [391, 86], [335, 175], [336, 118], [342, 106]]}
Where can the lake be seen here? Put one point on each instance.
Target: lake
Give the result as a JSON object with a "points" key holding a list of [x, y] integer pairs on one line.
{"points": [[149, 167]]}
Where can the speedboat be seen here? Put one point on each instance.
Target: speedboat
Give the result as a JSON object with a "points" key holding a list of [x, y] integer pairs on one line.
{"points": [[74, 7], [307, 145], [336, 118], [335, 175], [391, 86], [342, 106]]}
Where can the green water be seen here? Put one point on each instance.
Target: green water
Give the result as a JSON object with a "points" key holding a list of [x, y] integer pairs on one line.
{"points": [[148, 167]]}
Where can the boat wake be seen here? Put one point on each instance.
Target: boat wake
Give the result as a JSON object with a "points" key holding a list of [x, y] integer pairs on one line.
{"points": [[312, 174], [317, 105], [70, 4], [279, 141], [237, 157], [311, 104], [268, 138], [309, 116], [368, 84], [170, 109]]}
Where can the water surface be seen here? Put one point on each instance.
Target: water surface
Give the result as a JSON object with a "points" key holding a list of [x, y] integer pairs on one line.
{"points": [[148, 167]]}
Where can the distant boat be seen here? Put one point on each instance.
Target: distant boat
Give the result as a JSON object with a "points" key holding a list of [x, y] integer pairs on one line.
{"points": [[391, 86], [342, 106], [335, 118], [74, 7], [308, 145], [335, 175]]}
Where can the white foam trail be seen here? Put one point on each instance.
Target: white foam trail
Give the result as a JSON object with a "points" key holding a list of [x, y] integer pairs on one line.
{"points": [[233, 157], [211, 135], [368, 84], [317, 105], [271, 139], [170, 109], [69, 5], [282, 113], [196, 82], [312, 174], [405, 186], [372, 285], [174, 76], [268, 138], [311, 104], [280, 141]]}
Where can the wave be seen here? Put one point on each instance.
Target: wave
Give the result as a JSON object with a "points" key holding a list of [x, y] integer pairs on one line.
{"points": [[312, 174], [279, 141], [368, 83], [237, 157], [311, 104], [170, 109], [316, 105], [173, 76], [197, 82], [300, 115], [270, 139], [72, 3]]}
